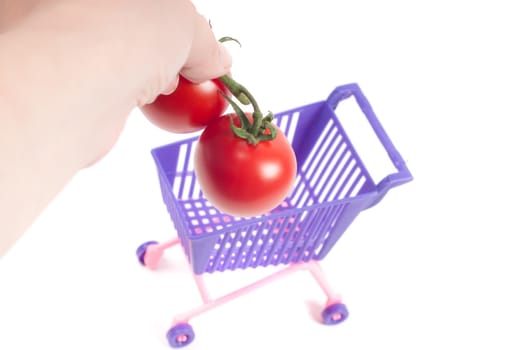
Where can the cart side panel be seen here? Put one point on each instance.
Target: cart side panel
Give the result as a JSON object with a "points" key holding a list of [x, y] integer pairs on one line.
{"points": [[342, 224], [170, 203], [302, 135], [173, 162], [167, 159], [332, 169]]}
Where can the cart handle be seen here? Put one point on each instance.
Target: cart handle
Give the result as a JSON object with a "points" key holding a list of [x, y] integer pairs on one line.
{"points": [[402, 175]]}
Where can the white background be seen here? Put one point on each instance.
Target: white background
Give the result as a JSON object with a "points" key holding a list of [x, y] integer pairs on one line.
{"points": [[440, 263]]}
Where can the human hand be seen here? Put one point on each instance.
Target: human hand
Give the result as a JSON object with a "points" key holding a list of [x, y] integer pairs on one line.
{"points": [[98, 59], [72, 71]]}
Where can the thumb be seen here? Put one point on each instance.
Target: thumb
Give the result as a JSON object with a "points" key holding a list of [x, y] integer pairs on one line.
{"points": [[208, 58]]}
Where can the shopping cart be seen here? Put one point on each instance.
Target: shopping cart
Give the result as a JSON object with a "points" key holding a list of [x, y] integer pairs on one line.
{"points": [[332, 187]]}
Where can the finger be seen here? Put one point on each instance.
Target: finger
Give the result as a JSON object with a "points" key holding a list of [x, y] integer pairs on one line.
{"points": [[171, 87], [207, 58]]}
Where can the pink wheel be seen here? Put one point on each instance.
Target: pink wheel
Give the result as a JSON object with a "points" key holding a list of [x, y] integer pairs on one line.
{"points": [[180, 335], [335, 314], [148, 254]]}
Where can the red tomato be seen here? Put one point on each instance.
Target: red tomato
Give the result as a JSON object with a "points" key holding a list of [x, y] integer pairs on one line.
{"points": [[241, 179], [189, 108]]}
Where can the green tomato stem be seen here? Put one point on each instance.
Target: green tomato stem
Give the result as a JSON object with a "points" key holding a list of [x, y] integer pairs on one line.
{"points": [[228, 38], [238, 90], [256, 131]]}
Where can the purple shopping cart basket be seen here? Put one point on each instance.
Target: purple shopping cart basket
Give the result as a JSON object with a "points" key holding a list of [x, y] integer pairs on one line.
{"points": [[332, 187]]}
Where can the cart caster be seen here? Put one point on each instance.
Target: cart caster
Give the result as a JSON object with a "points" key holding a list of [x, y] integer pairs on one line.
{"points": [[151, 259], [180, 335], [334, 314]]}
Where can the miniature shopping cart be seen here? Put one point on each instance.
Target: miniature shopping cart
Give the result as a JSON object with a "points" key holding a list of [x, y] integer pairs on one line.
{"points": [[332, 187]]}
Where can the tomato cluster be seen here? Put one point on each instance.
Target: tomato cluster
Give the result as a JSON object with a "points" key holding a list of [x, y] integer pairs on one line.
{"points": [[244, 164]]}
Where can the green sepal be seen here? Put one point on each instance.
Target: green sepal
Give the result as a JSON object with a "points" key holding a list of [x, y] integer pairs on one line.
{"points": [[268, 137], [269, 117], [240, 132]]}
